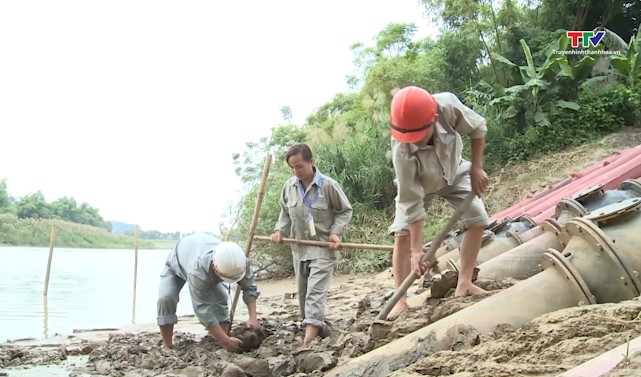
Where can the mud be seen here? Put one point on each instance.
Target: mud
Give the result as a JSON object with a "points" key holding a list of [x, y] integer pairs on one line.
{"points": [[544, 347], [547, 346]]}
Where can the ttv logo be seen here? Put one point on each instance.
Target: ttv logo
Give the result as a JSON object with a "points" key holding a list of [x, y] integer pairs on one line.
{"points": [[588, 38]]}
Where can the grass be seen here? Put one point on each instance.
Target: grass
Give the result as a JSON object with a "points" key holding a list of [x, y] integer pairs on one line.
{"points": [[37, 232]]}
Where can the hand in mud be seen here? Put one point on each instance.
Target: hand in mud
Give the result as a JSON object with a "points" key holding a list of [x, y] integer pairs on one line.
{"points": [[253, 324], [334, 242], [277, 237], [232, 344], [479, 180], [417, 266]]}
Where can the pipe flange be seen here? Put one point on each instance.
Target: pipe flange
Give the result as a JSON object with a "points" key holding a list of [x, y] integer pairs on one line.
{"points": [[631, 185], [571, 206], [551, 258], [609, 247], [497, 226], [487, 236], [527, 220], [515, 236], [595, 236], [587, 193], [614, 210], [551, 226]]}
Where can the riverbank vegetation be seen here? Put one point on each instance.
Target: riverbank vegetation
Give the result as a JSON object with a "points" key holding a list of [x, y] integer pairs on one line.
{"points": [[511, 62], [36, 232], [27, 221]]}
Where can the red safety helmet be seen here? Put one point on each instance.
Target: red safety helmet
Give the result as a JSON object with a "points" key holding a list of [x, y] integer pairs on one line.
{"points": [[413, 110]]}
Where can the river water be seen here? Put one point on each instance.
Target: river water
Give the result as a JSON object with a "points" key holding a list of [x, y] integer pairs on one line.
{"points": [[88, 288]]}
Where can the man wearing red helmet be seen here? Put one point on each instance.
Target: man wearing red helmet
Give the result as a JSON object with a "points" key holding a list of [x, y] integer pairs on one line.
{"points": [[426, 153]]}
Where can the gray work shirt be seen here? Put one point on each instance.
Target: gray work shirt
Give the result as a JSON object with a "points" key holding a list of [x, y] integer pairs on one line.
{"points": [[191, 261], [425, 170], [330, 208]]}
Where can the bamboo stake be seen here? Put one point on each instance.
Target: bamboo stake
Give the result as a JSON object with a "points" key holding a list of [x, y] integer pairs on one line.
{"points": [[252, 229], [133, 311], [344, 245], [45, 307], [52, 241]]}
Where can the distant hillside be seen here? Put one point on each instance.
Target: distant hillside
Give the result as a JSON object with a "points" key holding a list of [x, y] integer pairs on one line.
{"points": [[118, 227]]}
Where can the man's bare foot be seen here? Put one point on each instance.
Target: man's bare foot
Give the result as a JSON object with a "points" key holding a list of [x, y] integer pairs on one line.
{"points": [[397, 310], [469, 289]]}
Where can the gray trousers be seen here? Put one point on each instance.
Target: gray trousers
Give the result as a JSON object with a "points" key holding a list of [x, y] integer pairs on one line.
{"points": [[313, 278], [168, 297]]}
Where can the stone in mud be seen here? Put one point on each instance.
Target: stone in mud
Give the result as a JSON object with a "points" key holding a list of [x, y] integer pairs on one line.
{"points": [[251, 366], [80, 349], [351, 344], [252, 339], [308, 362], [441, 285], [363, 305], [232, 370], [102, 367], [461, 337], [282, 365], [379, 329]]}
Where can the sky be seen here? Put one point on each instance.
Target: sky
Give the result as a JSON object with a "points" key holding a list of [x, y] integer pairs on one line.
{"points": [[136, 107]]}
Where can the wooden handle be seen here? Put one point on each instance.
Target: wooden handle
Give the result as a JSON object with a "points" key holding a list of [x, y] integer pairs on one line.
{"points": [[344, 245], [429, 256], [252, 229]]}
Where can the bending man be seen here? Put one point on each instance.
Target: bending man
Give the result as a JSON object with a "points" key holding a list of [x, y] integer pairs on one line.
{"points": [[204, 262]]}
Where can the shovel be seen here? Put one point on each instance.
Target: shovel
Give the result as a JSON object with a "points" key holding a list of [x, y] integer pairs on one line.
{"points": [[429, 256]]}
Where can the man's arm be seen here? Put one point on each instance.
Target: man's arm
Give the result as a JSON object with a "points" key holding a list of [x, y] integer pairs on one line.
{"points": [[250, 291], [416, 236], [342, 210], [478, 149], [251, 308], [284, 223], [204, 311]]}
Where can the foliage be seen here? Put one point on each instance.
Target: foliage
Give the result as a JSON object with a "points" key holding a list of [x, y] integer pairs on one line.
{"points": [[36, 232], [35, 206]]}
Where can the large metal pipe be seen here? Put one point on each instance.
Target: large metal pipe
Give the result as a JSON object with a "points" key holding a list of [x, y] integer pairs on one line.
{"points": [[608, 163], [523, 261], [497, 228], [612, 177], [589, 270], [551, 290], [534, 241]]}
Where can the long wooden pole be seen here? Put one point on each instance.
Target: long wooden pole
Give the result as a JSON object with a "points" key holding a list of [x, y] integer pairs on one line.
{"points": [[52, 241], [133, 311], [429, 256], [344, 245], [252, 228]]}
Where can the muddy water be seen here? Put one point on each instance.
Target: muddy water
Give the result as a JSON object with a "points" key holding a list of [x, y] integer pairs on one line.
{"points": [[88, 288]]}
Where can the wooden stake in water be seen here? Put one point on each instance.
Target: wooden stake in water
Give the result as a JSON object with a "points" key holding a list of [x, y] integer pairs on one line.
{"points": [[133, 315], [52, 241], [45, 307], [252, 228]]}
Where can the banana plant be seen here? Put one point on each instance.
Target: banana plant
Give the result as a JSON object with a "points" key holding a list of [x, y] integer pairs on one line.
{"points": [[627, 65], [538, 89]]}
